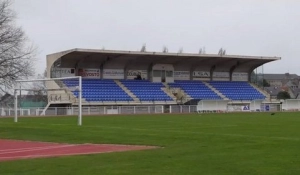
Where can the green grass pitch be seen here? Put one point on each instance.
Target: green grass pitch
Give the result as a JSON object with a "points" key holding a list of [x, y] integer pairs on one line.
{"points": [[208, 144]]}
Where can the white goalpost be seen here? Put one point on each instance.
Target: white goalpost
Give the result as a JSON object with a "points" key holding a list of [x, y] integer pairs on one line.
{"points": [[51, 87]]}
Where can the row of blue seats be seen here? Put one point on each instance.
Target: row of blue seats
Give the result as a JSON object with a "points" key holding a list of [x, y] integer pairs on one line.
{"points": [[237, 90], [147, 91], [102, 90], [196, 89], [97, 87], [114, 94], [108, 99], [104, 96], [155, 99]]}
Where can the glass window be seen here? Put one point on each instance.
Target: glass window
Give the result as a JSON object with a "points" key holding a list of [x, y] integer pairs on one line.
{"points": [[156, 73], [169, 73]]}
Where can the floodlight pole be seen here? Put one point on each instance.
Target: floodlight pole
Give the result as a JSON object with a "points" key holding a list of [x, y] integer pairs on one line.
{"points": [[79, 105]]}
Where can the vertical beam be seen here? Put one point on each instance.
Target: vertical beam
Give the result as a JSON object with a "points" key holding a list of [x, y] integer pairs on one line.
{"points": [[80, 104], [16, 106], [212, 69]]}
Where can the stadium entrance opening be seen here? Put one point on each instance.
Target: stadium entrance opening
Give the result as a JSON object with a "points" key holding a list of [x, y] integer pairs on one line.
{"points": [[163, 73]]}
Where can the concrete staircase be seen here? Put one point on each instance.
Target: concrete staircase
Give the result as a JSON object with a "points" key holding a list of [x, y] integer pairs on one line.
{"points": [[69, 94], [168, 91], [216, 91], [181, 96], [135, 99], [268, 96]]}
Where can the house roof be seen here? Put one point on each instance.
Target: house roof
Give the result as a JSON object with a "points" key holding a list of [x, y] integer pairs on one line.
{"points": [[273, 91], [279, 76]]}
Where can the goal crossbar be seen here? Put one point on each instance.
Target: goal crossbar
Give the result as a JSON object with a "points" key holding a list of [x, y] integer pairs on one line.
{"points": [[79, 89]]}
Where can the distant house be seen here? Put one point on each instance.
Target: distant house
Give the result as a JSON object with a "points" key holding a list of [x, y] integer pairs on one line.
{"points": [[273, 91], [278, 82]]}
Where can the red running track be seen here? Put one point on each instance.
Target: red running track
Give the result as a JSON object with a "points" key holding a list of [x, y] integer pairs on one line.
{"points": [[15, 149]]}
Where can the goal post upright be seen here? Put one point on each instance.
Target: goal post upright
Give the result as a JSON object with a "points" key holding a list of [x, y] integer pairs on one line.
{"points": [[50, 79], [16, 105], [80, 104]]}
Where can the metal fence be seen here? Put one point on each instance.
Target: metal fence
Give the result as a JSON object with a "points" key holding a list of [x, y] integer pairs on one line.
{"points": [[153, 109], [100, 110]]}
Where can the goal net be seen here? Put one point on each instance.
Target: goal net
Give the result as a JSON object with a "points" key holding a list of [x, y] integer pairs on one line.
{"points": [[51, 97]]}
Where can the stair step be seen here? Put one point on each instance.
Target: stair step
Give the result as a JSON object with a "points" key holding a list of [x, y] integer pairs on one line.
{"points": [[125, 89]]}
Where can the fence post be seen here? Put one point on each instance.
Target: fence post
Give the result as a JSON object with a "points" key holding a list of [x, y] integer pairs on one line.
{"points": [[133, 109], [162, 109], [89, 110], [189, 108], [170, 109], [149, 112]]}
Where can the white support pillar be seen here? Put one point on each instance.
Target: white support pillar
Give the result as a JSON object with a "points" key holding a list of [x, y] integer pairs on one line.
{"points": [[80, 102], [16, 106]]}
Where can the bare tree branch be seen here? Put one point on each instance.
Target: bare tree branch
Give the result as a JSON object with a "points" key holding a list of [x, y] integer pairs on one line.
{"points": [[16, 55]]}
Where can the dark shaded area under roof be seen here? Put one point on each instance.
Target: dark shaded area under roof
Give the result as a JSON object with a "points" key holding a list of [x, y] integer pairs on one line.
{"points": [[226, 62]]}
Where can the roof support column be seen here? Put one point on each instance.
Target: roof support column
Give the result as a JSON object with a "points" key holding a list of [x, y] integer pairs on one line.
{"points": [[212, 69], [102, 67], [192, 72], [149, 72], [231, 72], [250, 73]]}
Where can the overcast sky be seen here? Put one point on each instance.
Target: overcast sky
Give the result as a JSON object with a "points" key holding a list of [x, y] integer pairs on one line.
{"points": [[242, 27]]}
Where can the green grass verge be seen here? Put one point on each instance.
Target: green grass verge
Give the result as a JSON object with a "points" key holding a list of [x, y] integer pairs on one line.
{"points": [[217, 144]]}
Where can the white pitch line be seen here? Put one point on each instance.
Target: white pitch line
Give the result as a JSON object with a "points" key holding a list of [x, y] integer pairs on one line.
{"points": [[36, 149]]}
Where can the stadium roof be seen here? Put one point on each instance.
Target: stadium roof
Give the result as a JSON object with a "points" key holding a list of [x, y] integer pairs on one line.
{"points": [[225, 62]]}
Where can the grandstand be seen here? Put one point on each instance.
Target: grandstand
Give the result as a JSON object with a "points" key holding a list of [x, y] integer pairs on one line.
{"points": [[136, 78]]}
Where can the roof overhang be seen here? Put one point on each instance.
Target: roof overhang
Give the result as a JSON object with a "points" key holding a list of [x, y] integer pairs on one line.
{"points": [[239, 63]]}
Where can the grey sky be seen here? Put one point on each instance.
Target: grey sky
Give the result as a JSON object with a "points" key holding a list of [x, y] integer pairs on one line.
{"points": [[242, 27]]}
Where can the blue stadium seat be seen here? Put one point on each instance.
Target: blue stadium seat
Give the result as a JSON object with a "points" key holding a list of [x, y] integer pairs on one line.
{"points": [[146, 90], [237, 90], [195, 89], [99, 90]]}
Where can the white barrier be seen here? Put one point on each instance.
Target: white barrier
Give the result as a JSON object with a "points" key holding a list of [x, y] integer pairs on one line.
{"points": [[207, 106], [291, 105], [212, 105]]}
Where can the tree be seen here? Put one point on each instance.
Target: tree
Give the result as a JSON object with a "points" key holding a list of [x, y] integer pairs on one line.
{"points": [[283, 95], [16, 54], [39, 89]]}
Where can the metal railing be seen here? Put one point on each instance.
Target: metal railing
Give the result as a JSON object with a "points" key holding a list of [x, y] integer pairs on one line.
{"points": [[149, 109]]}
